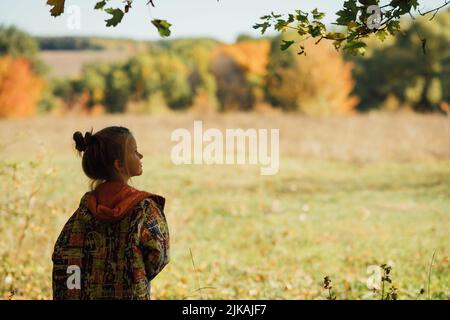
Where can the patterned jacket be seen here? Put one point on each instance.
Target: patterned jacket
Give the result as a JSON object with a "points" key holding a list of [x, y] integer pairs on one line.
{"points": [[114, 244]]}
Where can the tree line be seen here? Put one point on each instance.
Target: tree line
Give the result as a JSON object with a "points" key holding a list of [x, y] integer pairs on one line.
{"points": [[212, 76]]}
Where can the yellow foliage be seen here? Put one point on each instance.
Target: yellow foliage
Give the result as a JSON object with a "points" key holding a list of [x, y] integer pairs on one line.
{"points": [[252, 56]]}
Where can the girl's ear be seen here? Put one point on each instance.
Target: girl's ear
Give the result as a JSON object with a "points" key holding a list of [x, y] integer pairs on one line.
{"points": [[118, 166]]}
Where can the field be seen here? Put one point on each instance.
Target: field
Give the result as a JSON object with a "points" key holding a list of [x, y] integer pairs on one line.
{"points": [[69, 63], [351, 192]]}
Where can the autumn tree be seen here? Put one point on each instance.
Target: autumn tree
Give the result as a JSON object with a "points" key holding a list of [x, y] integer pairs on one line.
{"points": [[241, 70], [20, 87], [321, 84]]}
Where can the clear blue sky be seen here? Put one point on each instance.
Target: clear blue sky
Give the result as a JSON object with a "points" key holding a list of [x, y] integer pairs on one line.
{"points": [[223, 19]]}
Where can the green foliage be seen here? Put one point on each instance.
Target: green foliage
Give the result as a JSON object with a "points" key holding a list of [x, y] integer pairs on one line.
{"points": [[66, 90], [174, 83], [144, 76], [117, 90], [49, 102], [280, 61], [117, 14], [163, 27], [357, 19], [245, 37], [402, 69], [434, 93], [286, 44], [196, 54], [100, 5], [17, 43], [395, 71], [68, 43], [157, 73], [94, 81]]}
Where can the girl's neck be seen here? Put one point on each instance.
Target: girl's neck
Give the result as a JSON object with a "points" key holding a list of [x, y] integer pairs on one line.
{"points": [[119, 179]]}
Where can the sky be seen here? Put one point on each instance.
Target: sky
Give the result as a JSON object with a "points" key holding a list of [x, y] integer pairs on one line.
{"points": [[220, 19]]}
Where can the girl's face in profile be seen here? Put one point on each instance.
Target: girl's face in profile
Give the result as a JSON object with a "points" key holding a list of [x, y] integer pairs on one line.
{"points": [[133, 158]]}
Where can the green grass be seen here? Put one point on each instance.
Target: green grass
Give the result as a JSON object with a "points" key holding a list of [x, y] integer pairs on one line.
{"points": [[263, 237]]}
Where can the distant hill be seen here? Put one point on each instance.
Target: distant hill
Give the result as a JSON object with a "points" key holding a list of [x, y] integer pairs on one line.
{"points": [[98, 43], [88, 43]]}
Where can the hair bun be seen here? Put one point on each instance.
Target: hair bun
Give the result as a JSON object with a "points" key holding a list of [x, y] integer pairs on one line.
{"points": [[88, 138], [80, 142]]}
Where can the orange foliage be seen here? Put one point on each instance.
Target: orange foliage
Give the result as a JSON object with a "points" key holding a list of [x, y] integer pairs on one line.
{"points": [[20, 88], [252, 56]]}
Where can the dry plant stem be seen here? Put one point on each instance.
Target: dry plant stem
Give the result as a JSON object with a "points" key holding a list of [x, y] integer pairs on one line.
{"points": [[429, 275], [196, 275]]}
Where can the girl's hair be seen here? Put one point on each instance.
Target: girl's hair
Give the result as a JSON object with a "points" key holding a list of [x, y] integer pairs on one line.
{"points": [[100, 150]]}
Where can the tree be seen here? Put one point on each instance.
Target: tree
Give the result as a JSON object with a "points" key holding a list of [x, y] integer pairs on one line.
{"points": [[20, 87], [197, 55], [174, 81], [399, 69], [144, 76], [250, 58], [160, 73], [358, 18], [16, 43], [233, 90], [319, 85], [117, 90], [94, 82]]}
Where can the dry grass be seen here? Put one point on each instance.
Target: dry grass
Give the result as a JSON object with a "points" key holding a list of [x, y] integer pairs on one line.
{"points": [[356, 138]]}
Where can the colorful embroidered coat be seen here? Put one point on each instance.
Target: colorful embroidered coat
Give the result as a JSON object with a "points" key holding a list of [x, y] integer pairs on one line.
{"points": [[114, 244]]}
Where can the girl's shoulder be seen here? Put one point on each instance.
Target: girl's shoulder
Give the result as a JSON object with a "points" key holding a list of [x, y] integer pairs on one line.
{"points": [[83, 200], [150, 210], [151, 207], [155, 200]]}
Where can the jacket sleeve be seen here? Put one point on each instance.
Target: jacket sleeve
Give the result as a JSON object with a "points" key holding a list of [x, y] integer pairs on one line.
{"points": [[154, 240]]}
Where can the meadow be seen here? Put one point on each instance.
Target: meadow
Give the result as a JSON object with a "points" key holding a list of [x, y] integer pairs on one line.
{"points": [[351, 192]]}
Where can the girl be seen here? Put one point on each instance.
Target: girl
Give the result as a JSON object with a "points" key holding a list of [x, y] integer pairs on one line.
{"points": [[117, 241]]}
